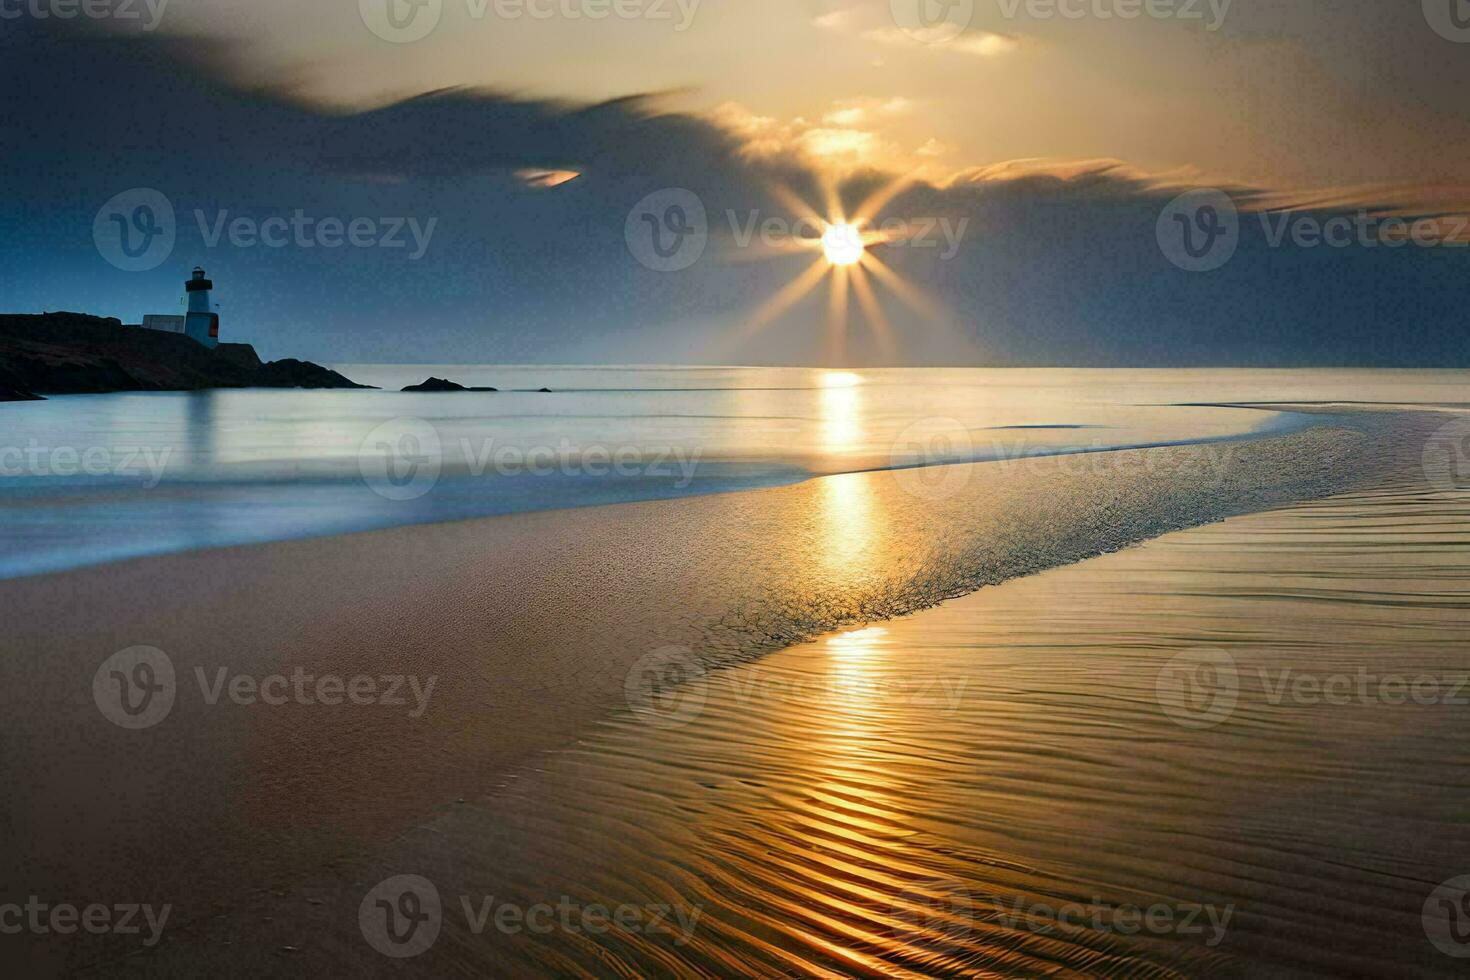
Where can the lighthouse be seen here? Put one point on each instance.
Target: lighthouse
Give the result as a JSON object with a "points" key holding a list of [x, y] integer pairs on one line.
{"points": [[201, 322]]}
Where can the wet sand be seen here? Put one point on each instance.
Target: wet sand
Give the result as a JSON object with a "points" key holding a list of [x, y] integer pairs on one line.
{"points": [[1003, 785], [261, 824]]}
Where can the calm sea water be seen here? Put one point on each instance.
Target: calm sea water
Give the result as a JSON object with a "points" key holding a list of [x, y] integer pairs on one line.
{"points": [[95, 478]]}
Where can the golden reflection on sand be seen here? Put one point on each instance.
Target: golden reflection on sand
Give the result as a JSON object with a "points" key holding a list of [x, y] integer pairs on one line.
{"points": [[848, 523]]}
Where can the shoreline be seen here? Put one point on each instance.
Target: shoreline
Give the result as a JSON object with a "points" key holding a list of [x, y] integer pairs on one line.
{"points": [[525, 654], [192, 491]]}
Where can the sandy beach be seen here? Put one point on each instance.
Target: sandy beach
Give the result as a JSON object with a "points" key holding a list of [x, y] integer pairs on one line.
{"points": [[665, 489], [515, 754]]}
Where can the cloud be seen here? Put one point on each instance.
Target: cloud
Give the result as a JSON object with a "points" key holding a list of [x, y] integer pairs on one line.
{"points": [[850, 147], [870, 25], [836, 20], [835, 145], [981, 44], [546, 178], [855, 112]]}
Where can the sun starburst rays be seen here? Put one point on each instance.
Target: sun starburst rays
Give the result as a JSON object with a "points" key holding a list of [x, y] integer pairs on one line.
{"points": [[789, 296], [843, 247]]}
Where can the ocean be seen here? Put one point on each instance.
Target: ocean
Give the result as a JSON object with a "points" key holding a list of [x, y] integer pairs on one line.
{"points": [[88, 479]]}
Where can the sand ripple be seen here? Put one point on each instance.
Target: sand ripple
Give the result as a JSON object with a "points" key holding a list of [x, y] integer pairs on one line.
{"points": [[988, 787]]}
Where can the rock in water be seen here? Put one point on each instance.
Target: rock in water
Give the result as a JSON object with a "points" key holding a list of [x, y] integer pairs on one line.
{"points": [[437, 384], [291, 373]]}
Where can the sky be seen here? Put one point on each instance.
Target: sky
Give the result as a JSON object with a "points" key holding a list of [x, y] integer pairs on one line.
{"points": [[1043, 169]]}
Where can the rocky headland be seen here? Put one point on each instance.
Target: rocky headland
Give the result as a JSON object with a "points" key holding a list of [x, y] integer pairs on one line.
{"points": [[74, 353]]}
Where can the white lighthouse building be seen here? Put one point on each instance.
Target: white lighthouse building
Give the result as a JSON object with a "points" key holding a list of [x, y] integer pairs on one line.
{"points": [[200, 322]]}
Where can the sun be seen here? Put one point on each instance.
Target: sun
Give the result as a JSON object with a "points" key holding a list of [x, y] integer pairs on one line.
{"points": [[849, 261], [842, 244]]}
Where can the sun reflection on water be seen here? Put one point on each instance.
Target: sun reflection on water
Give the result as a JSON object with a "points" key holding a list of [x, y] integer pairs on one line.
{"points": [[841, 407]]}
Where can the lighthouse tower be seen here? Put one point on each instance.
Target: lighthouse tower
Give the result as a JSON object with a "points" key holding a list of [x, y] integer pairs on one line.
{"points": [[201, 322]]}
